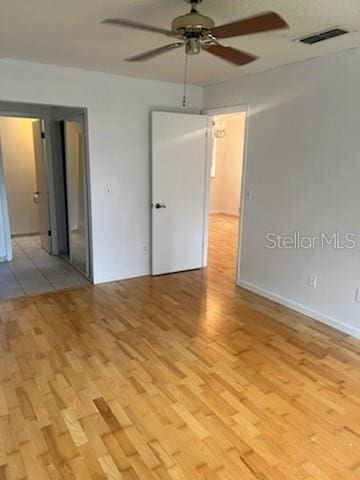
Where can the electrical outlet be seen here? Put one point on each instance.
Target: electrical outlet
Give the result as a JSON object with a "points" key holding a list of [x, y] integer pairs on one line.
{"points": [[313, 280], [357, 295]]}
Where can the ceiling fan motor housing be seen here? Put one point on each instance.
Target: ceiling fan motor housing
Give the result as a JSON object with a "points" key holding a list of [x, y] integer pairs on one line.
{"points": [[192, 25]]}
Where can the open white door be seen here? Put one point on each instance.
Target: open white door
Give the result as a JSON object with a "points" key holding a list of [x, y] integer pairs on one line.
{"points": [[179, 176], [42, 195], [5, 235]]}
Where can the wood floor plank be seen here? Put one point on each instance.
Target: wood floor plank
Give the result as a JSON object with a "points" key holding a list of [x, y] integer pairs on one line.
{"points": [[180, 377]]}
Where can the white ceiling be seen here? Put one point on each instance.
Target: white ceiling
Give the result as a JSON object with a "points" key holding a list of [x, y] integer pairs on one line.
{"points": [[68, 32]]}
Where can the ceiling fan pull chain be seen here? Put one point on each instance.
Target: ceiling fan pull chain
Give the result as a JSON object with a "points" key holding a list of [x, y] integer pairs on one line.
{"points": [[185, 80]]}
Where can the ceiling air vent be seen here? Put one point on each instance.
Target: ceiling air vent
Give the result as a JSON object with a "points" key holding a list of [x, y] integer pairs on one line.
{"points": [[321, 37]]}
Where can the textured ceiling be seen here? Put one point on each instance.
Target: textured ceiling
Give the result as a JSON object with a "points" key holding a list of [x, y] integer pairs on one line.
{"points": [[68, 32]]}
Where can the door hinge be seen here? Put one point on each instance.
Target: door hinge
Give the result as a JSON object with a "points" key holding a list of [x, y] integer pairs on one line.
{"points": [[42, 134], [49, 233]]}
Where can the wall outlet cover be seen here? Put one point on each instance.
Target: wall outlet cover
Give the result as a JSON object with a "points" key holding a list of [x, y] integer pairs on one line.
{"points": [[313, 280], [357, 295]]}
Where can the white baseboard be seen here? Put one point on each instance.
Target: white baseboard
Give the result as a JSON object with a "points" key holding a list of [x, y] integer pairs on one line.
{"points": [[298, 307], [116, 277]]}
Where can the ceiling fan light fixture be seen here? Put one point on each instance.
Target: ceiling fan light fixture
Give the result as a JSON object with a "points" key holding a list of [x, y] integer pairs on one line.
{"points": [[193, 46]]}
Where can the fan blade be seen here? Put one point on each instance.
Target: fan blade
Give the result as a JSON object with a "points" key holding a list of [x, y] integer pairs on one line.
{"points": [[232, 55], [261, 23], [154, 53], [122, 22]]}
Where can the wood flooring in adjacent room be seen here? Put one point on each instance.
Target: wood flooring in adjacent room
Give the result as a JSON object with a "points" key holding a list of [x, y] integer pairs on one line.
{"points": [[177, 377]]}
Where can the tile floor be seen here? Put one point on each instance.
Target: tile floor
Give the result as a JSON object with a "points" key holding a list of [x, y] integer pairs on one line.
{"points": [[33, 271]]}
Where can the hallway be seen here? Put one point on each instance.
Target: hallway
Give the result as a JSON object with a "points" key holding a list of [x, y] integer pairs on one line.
{"points": [[33, 271], [178, 377]]}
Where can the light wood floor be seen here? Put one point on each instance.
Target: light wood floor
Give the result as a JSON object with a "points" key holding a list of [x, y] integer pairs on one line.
{"points": [[179, 377]]}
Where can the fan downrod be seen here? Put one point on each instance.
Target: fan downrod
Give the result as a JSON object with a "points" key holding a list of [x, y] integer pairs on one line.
{"points": [[194, 4]]}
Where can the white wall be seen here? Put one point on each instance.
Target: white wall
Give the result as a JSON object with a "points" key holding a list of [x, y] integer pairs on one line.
{"points": [[20, 177], [302, 174], [119, 147], [228, 152]]}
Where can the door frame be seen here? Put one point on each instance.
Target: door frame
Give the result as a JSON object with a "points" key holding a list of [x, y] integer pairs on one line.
{"points": [[213, 112], [50, 114]]}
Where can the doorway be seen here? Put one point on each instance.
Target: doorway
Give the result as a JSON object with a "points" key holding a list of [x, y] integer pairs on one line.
{"points": [[227, 163], [44, 191]]}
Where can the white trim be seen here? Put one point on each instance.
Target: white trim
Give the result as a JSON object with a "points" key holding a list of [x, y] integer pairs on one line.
{"points": [[118, 276], [300, 308], [207, 189], [242, 193], [213, 112]]}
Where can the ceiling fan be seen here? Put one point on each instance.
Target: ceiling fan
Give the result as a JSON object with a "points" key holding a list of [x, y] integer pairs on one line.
{"points": [[197, 32]]}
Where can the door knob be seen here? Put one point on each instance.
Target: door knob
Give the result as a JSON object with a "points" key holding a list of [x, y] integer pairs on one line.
{"points": [[36, 197], [159, 205]]}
